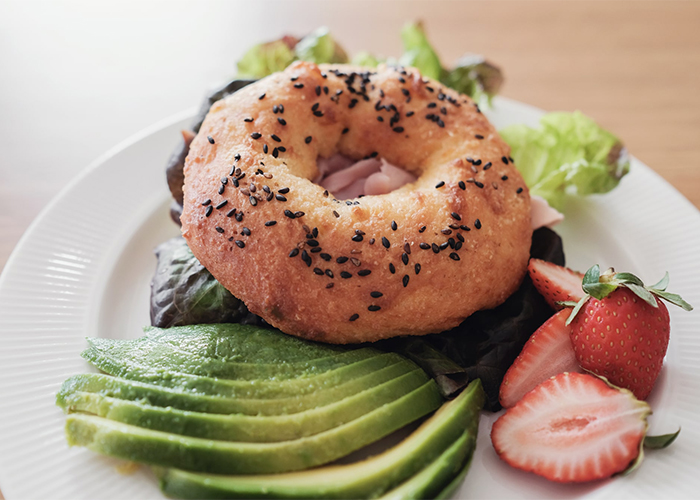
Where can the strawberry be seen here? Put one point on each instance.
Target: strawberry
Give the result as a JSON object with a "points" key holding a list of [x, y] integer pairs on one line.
{"points": [[555, 283], [572, 428], [547, 353], [620, 328]]}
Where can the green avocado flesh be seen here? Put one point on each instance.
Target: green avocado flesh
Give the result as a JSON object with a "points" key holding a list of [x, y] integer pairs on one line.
{"points": [[201, 394], [223, 457], [366, 479], [245, 427]]}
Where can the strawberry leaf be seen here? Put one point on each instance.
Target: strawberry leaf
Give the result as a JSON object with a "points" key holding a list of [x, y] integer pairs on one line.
{"points": [[643, 294], [673, 298], [661, 285], [627, 278], [659, 442], [592, 276], [599, 290], [578, 307]]}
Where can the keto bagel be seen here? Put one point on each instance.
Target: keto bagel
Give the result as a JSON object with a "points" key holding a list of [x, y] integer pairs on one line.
{"points": [[414, 261]]}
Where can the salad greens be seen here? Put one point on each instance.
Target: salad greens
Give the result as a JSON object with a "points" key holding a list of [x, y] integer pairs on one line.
{"points": [[183, 292], [569, 154], [472, 75]]}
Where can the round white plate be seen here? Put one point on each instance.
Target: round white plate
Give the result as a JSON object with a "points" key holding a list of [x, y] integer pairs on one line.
{"points": [[84, 266]]}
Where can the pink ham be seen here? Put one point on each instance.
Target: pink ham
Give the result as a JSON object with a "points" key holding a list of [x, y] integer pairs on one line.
{"points": [[343, 178], [542, 214]]}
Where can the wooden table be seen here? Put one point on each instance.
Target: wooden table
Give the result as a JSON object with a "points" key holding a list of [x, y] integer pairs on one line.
{"points": [[77, 78]]}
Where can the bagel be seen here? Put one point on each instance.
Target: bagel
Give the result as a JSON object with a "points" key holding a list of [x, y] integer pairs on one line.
{"points": [[414, 261]]}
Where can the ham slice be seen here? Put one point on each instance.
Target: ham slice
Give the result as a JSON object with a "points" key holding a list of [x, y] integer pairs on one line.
{"points": [[347, 179]]}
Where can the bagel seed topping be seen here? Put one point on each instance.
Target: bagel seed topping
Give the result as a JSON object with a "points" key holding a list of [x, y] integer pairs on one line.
{"points": [[256, 135], [294, 252], [392, 269], [373, 308], [208, 211], [477, 224], [271, 223], [364, 272], [354, 317], [376, 295], [210, 139], [417, 268], [248, 120], [405, 280], [385, 242]]}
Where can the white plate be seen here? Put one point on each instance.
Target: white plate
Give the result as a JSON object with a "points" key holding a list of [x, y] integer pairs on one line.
{"points": [[83, 269]]}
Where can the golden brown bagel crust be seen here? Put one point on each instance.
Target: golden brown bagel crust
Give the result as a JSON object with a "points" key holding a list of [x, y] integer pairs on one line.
{"points": [[334, 108]]}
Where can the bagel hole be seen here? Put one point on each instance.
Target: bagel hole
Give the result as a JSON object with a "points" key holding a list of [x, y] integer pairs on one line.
{"points": [[347, 178]]}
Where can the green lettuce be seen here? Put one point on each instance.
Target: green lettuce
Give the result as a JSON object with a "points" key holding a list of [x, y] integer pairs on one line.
{"points": [[320, 47], [265, 59], [475, 76], [418, 52], [569, 154]]}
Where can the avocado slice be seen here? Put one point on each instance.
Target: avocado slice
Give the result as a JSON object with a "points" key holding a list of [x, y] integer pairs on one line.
{"points": [[244, 427], [117, 356], [234, 342], [223, 457], [208, 395], [428, 482], [366, 479]]}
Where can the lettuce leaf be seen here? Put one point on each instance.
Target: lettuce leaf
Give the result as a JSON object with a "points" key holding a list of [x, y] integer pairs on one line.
{"points": [[265, 59], [418, 52], [320, 47], [365, 59], [569, 154], [183, 292], [475, 76]]}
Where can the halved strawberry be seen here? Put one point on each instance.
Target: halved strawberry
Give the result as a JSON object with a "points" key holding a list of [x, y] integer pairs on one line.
{"points": [[555, 283], [547, 353], [572, 428]]}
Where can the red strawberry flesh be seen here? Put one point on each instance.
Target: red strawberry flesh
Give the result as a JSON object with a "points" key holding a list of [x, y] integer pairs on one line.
{"points": [[547, 353], [555, 283], [572, 428]]}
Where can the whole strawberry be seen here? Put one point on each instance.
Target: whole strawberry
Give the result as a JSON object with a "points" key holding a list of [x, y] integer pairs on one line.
{"points": [[620, 329]]}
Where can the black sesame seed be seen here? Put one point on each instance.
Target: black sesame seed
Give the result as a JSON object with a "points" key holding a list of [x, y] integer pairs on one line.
{"points": [[380, 119], [208, 211], [210, 139], [206, 202], [282, 149], [436, 249], [306, 258], [219, 229], [458, 245], [315, 249], [265, 148], [440, 123], [398, 129], [454, 256], [245, 231], [298, 85], [504, 160], [432, 105], [417, 268], [318, 90], [394, 226], [487, 166], [299, 214], [336, 213], [376, 295], [256, 135], [312, 243], [364, 272], [240, 244], [345, 130], [410, 113], [330, 285], [519, 190], [373, 308], [404, 258], [443, 110], [405, 280], [439, 184], [504, 178], [354, 317], [407, 248], [357, 237], [318, 113], [261, 97], [289, 214], [456, 216], [446, 231], [478, 184], [222, 205], [476, 162], [231, 213], [352, 103], [279, 197], [385, 242], [271, 223], [460, 237], [221, 189], [318, 271], [341, 260], [345, 275], [424, 246], [282, 122], [325, 90], [465, 228], [371, 241], [422, 228], [325, 257], [477, 224], [329, 273], [451, 242], [392, 269], [247, 120], [444, 245], [253, 200], [315, 107], [308, 139], [239, 216]]}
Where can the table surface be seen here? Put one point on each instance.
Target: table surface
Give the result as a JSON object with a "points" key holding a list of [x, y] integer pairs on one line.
{"points": [[79, 77]]}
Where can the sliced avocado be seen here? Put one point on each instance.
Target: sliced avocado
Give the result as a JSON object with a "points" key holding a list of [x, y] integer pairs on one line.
{"points": [[366, 479], [244, 427], [242, 343], [222, 457], [117, 355], [201, 394], [430, 481]]}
